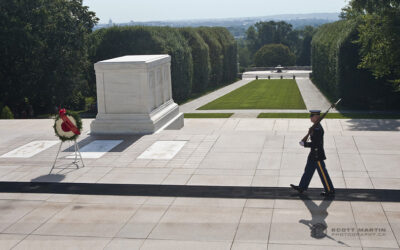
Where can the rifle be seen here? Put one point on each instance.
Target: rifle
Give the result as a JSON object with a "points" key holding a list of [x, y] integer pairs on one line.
{"points": [[320, 119]]}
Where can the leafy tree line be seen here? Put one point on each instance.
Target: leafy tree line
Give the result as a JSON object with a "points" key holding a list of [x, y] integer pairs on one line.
{"points": [[379, 37], [43, 54], [354, 59], [276, 37], [47, 52]]}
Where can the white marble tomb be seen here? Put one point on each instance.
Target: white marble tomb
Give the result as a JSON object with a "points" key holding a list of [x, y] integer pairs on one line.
{"points": [[134, 96]]}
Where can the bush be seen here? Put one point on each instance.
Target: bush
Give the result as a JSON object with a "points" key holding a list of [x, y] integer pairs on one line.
{"points": [[76, 102], [91, 104], [334, 60], [271, 55], [6, 113], [201, 59]]}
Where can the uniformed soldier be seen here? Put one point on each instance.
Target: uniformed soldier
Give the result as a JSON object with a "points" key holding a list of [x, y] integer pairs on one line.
{"points": [[315, 159]]}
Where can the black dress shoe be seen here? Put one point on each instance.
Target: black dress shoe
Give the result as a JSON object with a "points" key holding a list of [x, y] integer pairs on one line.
{"points": [[297, 188], [328, 194]]}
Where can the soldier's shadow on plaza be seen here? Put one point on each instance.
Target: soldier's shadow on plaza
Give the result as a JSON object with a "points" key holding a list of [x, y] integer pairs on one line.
{"points": [[317, 224]]}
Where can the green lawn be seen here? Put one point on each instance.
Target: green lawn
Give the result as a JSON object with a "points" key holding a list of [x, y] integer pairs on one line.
{"points": [[331, 115], [208, 115], [261, 94]]}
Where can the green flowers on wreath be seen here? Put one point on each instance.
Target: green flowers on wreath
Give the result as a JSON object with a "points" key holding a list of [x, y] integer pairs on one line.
{"points": [[67, 125]]}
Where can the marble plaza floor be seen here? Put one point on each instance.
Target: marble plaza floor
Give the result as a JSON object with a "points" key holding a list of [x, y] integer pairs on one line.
{"points": [[235, 152]]}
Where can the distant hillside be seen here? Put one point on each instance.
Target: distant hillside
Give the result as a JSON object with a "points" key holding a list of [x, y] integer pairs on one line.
{"points": [[238, 26]]}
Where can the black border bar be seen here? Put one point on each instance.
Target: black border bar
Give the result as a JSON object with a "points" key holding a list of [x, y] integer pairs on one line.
{"points": [[239, 192]]}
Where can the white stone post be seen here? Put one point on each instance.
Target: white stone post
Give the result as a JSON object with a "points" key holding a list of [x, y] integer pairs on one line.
{"points": [[134, 96]]}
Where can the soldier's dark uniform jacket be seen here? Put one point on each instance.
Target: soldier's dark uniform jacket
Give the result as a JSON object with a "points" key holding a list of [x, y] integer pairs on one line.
{"points": [[317, 144], [315, 161]]}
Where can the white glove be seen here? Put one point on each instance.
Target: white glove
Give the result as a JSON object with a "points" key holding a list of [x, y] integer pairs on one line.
{"points": [[301, 143]]}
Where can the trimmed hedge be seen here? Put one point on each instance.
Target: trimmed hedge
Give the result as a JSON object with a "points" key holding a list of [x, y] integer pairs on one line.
{"points": [[229, 51], [216, 55], [335, 58], [201, 59]]}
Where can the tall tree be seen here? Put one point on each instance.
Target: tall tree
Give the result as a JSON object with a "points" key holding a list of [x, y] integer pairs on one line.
{"points": [[379, 36], [271, 55], [252, 39], [43, 51], [272, 32]]}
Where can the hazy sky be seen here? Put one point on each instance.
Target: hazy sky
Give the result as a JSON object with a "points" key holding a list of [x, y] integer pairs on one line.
{"points": [[152, 10]]}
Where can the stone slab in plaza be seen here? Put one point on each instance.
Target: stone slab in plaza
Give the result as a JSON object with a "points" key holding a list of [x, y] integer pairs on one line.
{"points": [[134, 95], [97, 149], [30, 149], [162, 150]]}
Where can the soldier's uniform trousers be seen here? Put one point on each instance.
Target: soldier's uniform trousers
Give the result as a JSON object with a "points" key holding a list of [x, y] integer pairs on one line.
{"points": [[313, 164]]}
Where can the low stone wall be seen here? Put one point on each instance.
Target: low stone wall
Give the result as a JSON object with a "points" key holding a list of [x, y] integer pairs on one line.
{"points": [[285, 74], [274, 69]]}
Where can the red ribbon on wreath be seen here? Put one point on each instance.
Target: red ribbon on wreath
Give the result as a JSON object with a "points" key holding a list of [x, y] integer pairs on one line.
{"points": [[67, 125]]}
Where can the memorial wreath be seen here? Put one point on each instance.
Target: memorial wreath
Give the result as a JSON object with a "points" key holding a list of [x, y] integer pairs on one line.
{"points": [[67, 125]]}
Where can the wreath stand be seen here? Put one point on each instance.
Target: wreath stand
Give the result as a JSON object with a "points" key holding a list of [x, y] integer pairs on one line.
{"points": [[67, 127], [76, 160]]}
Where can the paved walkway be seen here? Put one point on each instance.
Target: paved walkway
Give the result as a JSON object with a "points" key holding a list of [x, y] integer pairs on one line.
{"points": [[312, 97], [362, 154], [46, 221]]}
